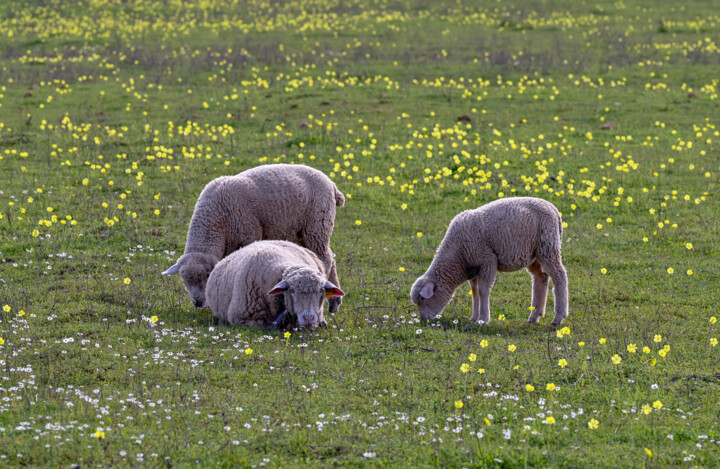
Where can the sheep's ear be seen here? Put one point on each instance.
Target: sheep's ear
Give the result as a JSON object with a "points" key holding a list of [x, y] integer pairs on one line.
{"points": [[279, 288], [172, 270], [428, 290], [331, 290]]}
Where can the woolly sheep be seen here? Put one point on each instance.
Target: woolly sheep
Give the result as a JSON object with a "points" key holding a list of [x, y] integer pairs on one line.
{"points": [[505, 235], [284, 202], [239, 289]]}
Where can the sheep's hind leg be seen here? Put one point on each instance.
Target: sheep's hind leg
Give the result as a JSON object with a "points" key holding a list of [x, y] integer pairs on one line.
{"points": [[539, 292], [560, 289], [475, 299], [316, 237], [335, 301]]}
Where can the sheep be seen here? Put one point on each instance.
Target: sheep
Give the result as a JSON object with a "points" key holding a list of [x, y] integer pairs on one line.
{"points": [[505, 235], [283, 202], [240, 289]]}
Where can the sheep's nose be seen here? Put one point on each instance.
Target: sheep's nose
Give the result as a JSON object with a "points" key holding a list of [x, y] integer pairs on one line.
{"points": [[309, 319], [199, 303]]}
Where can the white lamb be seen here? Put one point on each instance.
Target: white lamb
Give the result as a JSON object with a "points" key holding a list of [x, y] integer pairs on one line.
{"points": [[284, 202], [241, 287], [504, 235]]}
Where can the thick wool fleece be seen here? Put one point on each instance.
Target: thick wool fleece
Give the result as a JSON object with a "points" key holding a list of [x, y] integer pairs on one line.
{"points": [[237, 290], [295, 203], [504, 235]]}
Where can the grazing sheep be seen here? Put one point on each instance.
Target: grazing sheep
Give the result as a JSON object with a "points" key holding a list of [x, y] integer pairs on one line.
{"points": [[239, 288], [285, 202], [504, 235]]}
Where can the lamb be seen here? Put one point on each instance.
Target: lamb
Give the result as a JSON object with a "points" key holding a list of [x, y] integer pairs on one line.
{"points": [[505, 235], [239, 289], [283, 202]]}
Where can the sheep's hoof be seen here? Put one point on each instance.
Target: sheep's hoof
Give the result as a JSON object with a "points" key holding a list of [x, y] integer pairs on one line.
{"points": [[557, 321], [323, 323]]}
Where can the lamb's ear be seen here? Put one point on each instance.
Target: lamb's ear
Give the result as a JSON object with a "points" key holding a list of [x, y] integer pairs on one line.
{"points": [[172, 270], [279, 288], [331, 290], [427, 291]]}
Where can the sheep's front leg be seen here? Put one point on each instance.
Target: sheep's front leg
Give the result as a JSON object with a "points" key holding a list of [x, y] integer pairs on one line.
{"points": [[485, 282], [279, 320], [539, 292], [484, 290], [475, 299], [560, 290]]}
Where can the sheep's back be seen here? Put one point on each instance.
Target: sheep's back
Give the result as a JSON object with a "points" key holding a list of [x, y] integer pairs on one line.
{"points": [[282, 198], [513, 229], [247, 275]]}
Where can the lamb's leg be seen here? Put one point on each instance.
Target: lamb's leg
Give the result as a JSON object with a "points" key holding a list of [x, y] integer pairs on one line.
{"points": [[539, 292], [475, 299], [316, 237], [218, 321], [335, 301], [485, 282], [557, 273]]}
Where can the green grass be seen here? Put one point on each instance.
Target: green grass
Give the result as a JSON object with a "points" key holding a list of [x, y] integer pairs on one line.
{"points": [[141, 105]]}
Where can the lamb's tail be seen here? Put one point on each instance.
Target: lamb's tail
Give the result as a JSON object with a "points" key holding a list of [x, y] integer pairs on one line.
{"points": [[339, 197]]}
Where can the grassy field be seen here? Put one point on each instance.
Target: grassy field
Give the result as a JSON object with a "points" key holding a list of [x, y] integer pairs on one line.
{"points": [[115, 114]]}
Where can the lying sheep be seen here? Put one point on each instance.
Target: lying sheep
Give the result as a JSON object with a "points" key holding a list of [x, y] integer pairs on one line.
{"points": [[504, 235], [285, 202], [240, 287]]}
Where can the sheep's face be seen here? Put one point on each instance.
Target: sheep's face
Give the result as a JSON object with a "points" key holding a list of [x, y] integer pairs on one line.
{"points": [[430, 297], [194, 269], [304, 294]]}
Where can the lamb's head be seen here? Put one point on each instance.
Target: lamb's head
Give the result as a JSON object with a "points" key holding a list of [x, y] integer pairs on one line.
{"points": [[194, 268], [430, 296], [304, 292]]}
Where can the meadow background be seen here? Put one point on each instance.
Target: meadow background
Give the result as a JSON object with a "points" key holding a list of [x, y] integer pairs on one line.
{"points": [[115, 114]]}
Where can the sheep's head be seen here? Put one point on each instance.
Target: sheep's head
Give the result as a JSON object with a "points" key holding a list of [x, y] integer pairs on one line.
{"points": [[304, 292], [194, 268], [430, 297]]}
